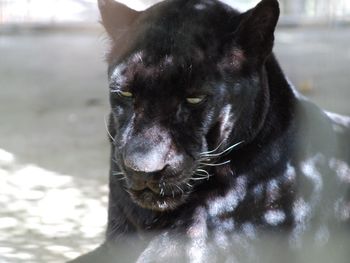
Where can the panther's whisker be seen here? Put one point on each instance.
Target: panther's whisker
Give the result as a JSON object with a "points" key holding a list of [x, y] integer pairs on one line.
{"points": [[161, 191], [215, 164], [224, 151], [117, 173], [205, 176], [189, 185], [178, 187], [197, 178], [202, 170], [113, 230], [200, 178], [122, 178], [106, 126], [200, 161], [207, 152], [114, 160], [202, 174]]}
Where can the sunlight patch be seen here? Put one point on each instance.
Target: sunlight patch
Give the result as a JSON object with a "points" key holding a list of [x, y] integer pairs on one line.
{"points": [[59, 212], [6, 157]]}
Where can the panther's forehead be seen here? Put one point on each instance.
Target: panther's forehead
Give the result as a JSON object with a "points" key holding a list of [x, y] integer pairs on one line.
{"points": [[165, 75], [139, 70]]}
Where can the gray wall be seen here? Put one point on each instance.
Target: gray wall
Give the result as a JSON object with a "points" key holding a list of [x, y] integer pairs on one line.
{"points": [[63, 11]]}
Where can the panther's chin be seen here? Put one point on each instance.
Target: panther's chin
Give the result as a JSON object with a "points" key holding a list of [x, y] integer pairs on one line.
{"points": [[148, 199]]}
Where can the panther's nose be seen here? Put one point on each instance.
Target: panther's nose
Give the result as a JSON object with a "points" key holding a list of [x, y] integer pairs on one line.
{"points": [[147, 154], [144, 163]]}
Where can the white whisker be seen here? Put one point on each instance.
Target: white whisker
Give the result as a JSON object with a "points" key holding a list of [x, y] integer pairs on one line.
{"points": [[189, 185], [202, 170], [224, 151], [114, 160], [181, 190], [117, 173], [215, 164], [201, 175], [207, 152], [122, 178], [198, 178], [106, 126]]}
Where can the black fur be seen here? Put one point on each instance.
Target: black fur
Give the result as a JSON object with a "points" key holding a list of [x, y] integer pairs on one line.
{"points": [[288, 173]]}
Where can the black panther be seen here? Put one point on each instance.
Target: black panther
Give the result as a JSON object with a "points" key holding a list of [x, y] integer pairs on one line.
{"points": [[211, 146]]}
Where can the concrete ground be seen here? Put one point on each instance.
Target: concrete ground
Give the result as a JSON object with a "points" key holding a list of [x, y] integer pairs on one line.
{"points": [[53, 143]]}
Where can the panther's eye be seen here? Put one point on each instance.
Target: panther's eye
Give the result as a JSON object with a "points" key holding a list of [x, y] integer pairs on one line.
{"points": [[125, 94], [195, 100]]}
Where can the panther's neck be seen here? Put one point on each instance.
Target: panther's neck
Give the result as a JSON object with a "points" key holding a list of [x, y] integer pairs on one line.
{"points": [[277, 128]]}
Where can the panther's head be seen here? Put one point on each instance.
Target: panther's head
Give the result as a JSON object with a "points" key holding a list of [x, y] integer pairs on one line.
{"points": [[187, 85]]}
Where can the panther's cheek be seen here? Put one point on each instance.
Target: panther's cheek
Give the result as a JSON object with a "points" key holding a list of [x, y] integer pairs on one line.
{"points": [[226, 121], [127, 129]]}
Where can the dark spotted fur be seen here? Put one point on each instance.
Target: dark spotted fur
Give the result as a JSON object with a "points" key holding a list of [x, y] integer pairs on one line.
{"points": [[178, 192]]}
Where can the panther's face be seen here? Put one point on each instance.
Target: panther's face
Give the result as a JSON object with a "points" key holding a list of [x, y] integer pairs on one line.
{"points": [[181, 99], [163, 121]]}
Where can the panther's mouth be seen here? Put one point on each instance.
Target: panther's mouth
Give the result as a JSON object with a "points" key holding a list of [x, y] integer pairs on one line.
{"points": [[159, 200]]}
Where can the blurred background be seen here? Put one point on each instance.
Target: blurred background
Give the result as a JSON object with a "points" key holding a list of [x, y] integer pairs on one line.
{"points": [[53, 102]]}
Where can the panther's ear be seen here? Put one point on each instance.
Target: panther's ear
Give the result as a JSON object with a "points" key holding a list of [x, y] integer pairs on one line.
{"points": [[116, 17], [255, 34]]}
